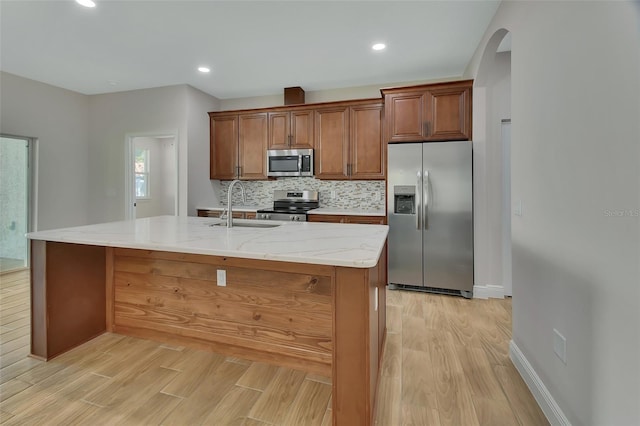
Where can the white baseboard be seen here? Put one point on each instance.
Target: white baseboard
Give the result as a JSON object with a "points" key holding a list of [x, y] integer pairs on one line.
{"points": [[488, 292], [540, 392]]}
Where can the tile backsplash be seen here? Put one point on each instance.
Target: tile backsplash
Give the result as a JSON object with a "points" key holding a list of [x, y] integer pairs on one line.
{"points": [[349, 194]]}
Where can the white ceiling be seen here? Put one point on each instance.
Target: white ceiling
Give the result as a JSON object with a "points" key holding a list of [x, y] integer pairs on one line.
{"points": [[254, 48]]}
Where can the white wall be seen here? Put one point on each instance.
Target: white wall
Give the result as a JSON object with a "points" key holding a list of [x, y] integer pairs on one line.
{"points": [[202, 190], [137, 113], [310, 97], [59, 119], [576, 168]]}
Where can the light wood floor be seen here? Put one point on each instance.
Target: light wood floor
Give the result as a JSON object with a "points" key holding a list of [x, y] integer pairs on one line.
{"points": [[445, 363], [10, 265]]}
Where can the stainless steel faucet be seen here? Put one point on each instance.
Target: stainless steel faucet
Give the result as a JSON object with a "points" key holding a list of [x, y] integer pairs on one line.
{"points": [[229, 202]]}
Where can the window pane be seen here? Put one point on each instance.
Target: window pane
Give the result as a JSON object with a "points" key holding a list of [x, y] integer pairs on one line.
{"points": [[141, 185], [142, 160]]}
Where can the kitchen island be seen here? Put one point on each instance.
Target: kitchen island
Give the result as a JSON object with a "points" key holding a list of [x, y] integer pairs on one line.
{"points": [[309, 296]]}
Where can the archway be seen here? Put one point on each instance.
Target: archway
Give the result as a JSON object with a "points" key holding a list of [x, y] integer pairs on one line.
{"points": [[492, 172]]}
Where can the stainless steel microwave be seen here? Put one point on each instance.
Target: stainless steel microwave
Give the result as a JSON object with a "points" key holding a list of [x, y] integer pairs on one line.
{"points": [[290, 162]]}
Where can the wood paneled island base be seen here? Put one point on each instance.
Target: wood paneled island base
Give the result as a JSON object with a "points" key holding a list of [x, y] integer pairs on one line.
{"points": [[316, 318]]}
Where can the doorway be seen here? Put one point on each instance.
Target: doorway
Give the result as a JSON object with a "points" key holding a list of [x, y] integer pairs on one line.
{"points": [[15, 177], [152, 176], [492, 170]]}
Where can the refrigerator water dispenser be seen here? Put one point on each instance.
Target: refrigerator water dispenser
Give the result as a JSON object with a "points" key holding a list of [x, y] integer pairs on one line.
{"points": [[404, 199]]}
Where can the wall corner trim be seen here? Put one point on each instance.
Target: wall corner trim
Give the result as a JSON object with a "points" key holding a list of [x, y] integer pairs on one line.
{"points": [[540, 392], [488, 292]]}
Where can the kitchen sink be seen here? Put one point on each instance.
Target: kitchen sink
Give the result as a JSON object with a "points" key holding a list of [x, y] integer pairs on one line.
{"points": [[248, 224]]}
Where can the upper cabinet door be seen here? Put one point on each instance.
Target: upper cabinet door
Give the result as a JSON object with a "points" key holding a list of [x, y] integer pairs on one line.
{"points": [[252, 145], [367, 143], [301, 129], [430, 112], [291, 130], [223, 163], [449, 113], [331, 142], [279, 133], [405, 116]]}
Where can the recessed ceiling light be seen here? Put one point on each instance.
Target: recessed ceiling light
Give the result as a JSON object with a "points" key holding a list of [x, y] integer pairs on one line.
{"points": [[378, 46], [204, 69], [86, 3]]}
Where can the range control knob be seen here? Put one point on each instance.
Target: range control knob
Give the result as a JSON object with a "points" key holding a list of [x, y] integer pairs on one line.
{"points": [[297, 218], [292, 218]]}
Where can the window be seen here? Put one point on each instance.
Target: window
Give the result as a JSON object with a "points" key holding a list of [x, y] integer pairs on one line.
{"points": [[141, 167]]}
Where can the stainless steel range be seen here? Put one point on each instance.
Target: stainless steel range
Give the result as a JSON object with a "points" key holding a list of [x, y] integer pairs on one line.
{"points": [[290, 205]]}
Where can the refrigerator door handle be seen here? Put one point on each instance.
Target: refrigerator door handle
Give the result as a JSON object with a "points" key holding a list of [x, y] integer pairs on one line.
{"points": [[417, 206], [426, 199]]}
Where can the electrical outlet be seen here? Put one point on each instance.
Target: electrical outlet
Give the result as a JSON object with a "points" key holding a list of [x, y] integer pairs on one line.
{"points": [[222, 278], [376, 196], [333, 195], [560, 345]]}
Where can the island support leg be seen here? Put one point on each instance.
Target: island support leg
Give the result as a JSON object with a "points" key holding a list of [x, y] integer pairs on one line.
{"points": [[357, 345], [67, 296]]}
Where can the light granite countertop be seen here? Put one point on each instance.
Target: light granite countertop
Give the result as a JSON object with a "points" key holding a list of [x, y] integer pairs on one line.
{"points": [[357, 246]]}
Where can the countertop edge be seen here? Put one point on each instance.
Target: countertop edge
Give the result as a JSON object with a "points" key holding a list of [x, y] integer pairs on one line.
{"points": [[367, 262], [223, 253]]}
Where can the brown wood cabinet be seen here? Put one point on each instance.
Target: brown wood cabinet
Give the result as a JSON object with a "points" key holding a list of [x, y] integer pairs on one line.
{"points": [[337, 218], [252, 146], [367, 147], [331, 154], [347, 137], [223, 163], [218, 213], [349, 143], [434, 112], [238, 146], [291, 129]]}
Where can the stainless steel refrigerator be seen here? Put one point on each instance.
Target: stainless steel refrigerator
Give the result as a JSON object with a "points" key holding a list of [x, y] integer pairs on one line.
{"points": [[430, 216]]}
